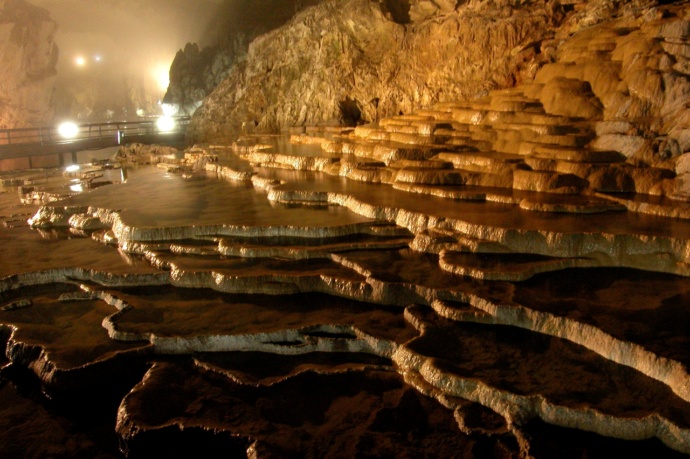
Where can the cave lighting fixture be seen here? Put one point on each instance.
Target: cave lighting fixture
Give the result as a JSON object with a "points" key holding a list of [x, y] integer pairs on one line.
{"points": [[165, 124], [68, 130]]}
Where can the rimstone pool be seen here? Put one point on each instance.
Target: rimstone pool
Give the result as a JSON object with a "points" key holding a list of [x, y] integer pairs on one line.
{"points": [[229, 305]]}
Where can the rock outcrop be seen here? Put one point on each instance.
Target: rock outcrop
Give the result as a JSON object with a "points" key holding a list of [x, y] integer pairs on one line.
{"points": [[346, 63], [359, 61], [196, 70], [608, 114], [594, 95], [28, 56]]}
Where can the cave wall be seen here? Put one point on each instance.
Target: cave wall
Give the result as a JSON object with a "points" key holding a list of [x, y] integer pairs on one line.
{"points": [[28, 57], [199, 67], [373, 59], [356, 61]]}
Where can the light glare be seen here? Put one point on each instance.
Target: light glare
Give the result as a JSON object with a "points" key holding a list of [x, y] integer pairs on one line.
{"points": [[162, 76], [165, 124], [169, 109], [68, 130]]}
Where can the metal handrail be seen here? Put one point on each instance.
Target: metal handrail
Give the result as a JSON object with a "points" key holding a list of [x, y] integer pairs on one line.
{"points": [[49, 134]]}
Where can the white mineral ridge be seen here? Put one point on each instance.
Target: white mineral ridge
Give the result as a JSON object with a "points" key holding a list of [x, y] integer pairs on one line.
{"points": [[669, 372], [518, 409]]}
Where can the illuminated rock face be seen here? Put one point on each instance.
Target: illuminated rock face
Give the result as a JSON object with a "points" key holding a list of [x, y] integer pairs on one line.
{"points": [[507, 276], [196, 70], [28, 56], [193, 74], [360, 60], [602, 109], [624, 67]]}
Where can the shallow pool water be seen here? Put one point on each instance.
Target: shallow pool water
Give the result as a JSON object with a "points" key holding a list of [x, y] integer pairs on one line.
{"points": [[301, 314]]}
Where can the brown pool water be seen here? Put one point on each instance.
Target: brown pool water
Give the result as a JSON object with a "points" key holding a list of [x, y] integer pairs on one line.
{"points": [[233, 324]]}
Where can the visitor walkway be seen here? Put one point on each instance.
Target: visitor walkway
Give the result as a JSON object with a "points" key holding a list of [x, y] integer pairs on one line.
{"points": [[44, 146]]}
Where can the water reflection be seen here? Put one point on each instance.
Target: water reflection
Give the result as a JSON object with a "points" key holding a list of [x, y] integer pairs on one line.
{"points": [[326, 310]]}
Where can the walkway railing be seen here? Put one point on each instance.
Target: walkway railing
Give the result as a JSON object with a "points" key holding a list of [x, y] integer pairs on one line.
{"points": [[113, 132]]}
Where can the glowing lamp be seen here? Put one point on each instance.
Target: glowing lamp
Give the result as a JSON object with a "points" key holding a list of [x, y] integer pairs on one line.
{"points": [[165, 124], [68, 130], [72, 168]]}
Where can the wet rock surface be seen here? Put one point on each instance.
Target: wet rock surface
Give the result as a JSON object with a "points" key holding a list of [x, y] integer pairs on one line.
{"points": [[620, 64], [272, 311], [499, 271], [366, 411], [28, 59]]}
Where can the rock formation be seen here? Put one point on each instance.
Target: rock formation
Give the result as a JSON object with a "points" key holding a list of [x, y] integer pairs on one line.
{"points": [[359, 61], [503, 273], [595, 95], [196, 70], [28, 56], [460, 268]]}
